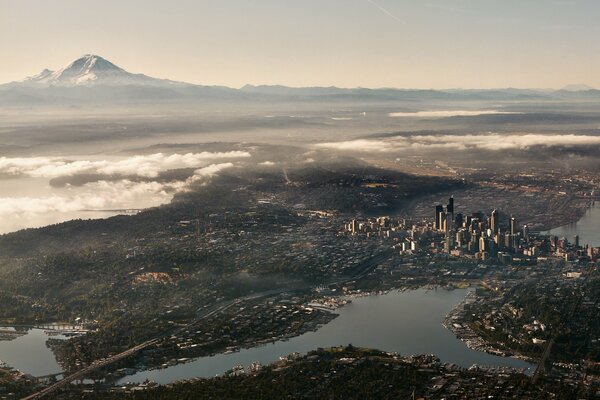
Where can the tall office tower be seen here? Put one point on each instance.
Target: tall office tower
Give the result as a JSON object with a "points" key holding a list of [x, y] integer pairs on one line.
{"points": [[354, 226], [442, 218], [576, 241], [458, 220], [526, 232], [467, 223], [460, 238], [495, 221], [514, 226], [438, 209], [450, 207], [483, 244], [474, 225], [508, 240], [449, 223], [493, 248], [473, 245], [442, 221]]}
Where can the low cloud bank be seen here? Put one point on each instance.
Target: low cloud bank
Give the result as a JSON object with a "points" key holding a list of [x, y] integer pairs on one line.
{"points": [[450, 113], [492, 142], [267, 163], [103, 195], [148, 166]]}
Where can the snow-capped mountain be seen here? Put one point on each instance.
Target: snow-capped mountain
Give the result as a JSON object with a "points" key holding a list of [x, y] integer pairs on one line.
{"points": [[90, 70], [577, 87], [92, 79]]}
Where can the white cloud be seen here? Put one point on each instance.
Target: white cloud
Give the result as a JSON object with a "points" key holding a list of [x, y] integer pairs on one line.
{"points": [[33, 205], [505, 142], [141, 165], [449, 113], [101, 195], [209, 171], [358, 145], [267, 163], [463, 142]]}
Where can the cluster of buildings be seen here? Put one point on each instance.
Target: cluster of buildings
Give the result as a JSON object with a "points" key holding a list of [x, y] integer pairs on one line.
{"points": [[480, 235], [385, 227], [477, 235], [498, 237]]}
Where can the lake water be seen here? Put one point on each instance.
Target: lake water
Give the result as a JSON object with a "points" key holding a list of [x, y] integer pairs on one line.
{"points": [[28, 353], [405, 322], [588, 228]]}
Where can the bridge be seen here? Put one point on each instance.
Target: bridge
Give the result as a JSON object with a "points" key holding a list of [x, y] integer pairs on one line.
{"points": [[53, 327], [359, 271], [98, 364], [540, 369], [541, 366], [44, 377]]}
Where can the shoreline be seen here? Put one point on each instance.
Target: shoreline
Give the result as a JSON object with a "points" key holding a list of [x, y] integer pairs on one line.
{"points": [[561, 220], [342, 301], [465, 334]]}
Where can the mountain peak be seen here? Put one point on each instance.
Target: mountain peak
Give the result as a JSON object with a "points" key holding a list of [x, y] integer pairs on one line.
{"points": [[87, 70], [93, 62], [577, 87]]}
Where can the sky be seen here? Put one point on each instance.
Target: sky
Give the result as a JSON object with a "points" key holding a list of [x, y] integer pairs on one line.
{"points": [[348, 43]]}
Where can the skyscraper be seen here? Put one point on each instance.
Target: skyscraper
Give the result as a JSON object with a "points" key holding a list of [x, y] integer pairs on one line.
{"points": [[354, 226], [450, 215], [514, 226], [483, 244], [526, 232], [437, 221], [495, 221], [458, 220]]}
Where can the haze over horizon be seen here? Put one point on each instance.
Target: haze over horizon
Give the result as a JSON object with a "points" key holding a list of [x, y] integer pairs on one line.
{"points": [[358, 43]]}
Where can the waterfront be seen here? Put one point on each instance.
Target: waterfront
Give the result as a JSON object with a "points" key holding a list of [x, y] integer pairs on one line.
{"points": [[408, 322], [403, 322], [28, 353], [586, 227]]}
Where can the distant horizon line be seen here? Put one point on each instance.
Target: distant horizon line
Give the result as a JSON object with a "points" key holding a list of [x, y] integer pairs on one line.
{"points": [[583, 87], [313, 86]]}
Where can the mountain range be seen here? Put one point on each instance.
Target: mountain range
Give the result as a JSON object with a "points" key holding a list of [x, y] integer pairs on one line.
{"points": [[93, 79]]}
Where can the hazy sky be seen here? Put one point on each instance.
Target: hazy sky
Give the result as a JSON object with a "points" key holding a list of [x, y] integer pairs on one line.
{"points": [[370, 43]]}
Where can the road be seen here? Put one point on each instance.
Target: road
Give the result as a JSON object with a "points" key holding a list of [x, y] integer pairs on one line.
{"points": [[359, 271], [541, 366], [109, 360]]}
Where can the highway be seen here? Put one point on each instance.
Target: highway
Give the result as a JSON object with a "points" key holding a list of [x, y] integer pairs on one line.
{"points": [[541, 366], [217, 308], [359, 271]]}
